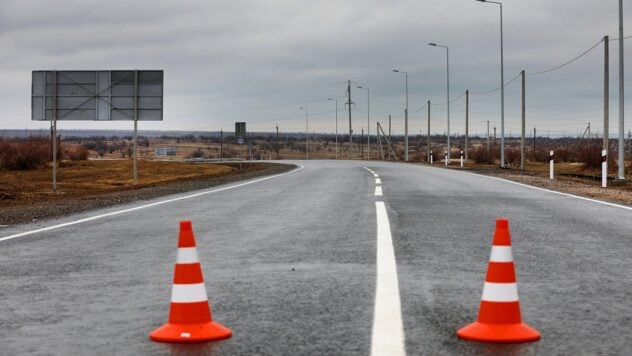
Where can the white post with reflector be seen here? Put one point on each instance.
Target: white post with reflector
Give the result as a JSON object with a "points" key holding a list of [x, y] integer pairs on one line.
{"points": [[461, 159], [604, 168], [551, 161], [446, 159]]}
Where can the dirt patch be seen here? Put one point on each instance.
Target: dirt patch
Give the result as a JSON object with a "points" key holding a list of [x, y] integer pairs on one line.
{"points": [[27, 196]]}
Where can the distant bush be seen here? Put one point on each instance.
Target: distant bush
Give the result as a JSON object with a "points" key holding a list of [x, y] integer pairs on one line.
{"points": [[198, 153], [25, 153], [481, 155], [590, 155], [77, 153]]}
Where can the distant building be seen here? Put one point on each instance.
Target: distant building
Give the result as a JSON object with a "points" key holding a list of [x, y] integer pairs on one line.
{"points": [[165, 151]]}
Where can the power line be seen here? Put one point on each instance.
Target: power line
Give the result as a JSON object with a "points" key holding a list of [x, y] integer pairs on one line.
{"points": [[496, 89], [569, 62]]}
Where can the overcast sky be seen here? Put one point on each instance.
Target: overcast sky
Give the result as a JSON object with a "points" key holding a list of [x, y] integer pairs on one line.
{"points": [[259, 61]]}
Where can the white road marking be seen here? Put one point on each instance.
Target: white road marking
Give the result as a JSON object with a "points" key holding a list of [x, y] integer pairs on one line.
{"points": [[378, 191], [555, 192], [378, 181], [388, 330], [119, 212], [375, 175]]}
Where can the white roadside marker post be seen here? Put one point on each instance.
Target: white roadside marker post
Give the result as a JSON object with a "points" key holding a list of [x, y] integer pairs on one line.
{"points": [[551, 165], [446, 159], [604, 168], [461, 159]]}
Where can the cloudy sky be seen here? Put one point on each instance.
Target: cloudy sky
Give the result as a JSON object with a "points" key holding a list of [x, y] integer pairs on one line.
{"points": [[259, 61]]}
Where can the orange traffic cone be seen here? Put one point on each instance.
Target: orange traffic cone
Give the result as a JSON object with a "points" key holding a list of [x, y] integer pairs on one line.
{"points": [[499, 317], [190, 314]]}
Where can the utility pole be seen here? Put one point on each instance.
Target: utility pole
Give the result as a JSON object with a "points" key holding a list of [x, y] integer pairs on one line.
{"points": [[389, 134], [278, 148], [221, 144], [428, 137], [362, 143], [467, 121], [522, 137], [534, 134], [349, 108], [494, 135], [487, 136], [606, 92], [621, 97]]}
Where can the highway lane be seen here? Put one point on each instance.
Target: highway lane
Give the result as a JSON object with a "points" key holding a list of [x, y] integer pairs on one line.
{"points": [[289, 266], [572, 261]]}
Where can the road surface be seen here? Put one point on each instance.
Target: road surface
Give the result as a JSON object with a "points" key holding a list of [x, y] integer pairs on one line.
{"points": [[291, 266]]}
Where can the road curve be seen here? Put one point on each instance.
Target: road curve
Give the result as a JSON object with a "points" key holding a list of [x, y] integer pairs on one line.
{"points": [[290, 266]]}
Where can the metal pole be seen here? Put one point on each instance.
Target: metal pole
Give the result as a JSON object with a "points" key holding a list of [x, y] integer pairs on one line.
{"points": [[447, 60], [406, 121], [135, 126], [428, 134], [55, 131], [350, 130], [221, 144], [467, 121], [368, 125], [606, 93], [336, 128], [278, 147], [487, 136], [502, 93], [621, 97], [522, 138]]}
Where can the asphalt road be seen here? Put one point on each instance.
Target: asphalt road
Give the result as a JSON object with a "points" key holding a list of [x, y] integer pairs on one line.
{"points": [[290, 266]]}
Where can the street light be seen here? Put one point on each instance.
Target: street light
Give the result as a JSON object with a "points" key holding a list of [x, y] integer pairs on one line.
{"points": [[502, 86], [447, 61], [306, 132], [405, 117], [336, 100], [368, 124]]}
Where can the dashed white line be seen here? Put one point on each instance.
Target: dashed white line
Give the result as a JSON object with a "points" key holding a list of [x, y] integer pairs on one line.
{"points": [[378, 191], [388, 330], [378, 181], [26, 233]]}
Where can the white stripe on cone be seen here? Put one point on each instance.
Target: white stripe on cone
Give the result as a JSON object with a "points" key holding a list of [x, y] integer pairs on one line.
{"points": [[500, 292], [187, 255], [188, 293], [501, 254]]}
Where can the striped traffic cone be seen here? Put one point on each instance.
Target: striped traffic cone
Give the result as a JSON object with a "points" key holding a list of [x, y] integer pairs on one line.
{"points": [[190, 314], [499, 317]]}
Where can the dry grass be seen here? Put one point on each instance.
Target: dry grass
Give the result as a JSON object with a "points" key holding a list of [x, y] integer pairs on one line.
{"points": [[76, 179]]}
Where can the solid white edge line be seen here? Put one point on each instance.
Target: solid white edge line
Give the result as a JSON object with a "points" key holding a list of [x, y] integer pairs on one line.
{"points": [[553, 191], [205, 192], [378, 191], [388, 331], [501, 254], [187, 255], [500, 292], [188, 293]]}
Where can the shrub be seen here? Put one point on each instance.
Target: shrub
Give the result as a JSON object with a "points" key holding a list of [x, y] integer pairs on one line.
{"points": [[25, 154], [77, 153], [481, 155], [198, 153]]}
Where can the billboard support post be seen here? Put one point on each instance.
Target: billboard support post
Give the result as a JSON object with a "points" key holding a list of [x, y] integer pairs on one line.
{"points": [[54, 122], [135, 127]]}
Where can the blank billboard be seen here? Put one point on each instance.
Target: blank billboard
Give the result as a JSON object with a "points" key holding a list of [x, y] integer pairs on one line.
{"points": [[97, 95]]}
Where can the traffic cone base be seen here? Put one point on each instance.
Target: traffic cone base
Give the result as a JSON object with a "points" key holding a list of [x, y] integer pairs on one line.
{"points": [[185, 333], [500, 333]]}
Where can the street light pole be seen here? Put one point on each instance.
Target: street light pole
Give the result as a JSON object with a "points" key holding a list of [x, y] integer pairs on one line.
{"points": [[405, 117], [621, 96], [306, 132], [368, 124], [502, 86], [336, 100], [447, 60]]}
